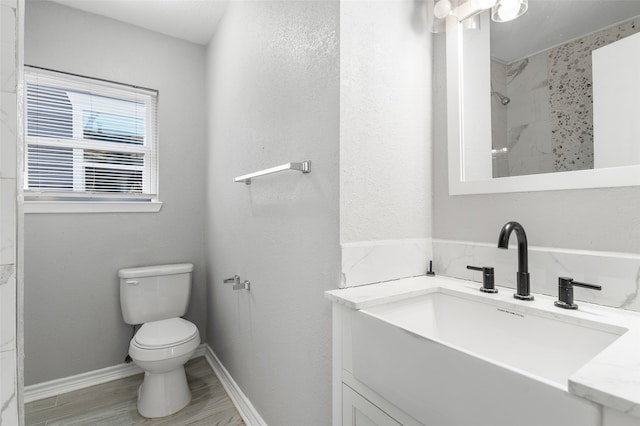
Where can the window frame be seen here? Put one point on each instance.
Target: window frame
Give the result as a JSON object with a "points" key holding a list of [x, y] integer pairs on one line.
{"points": [[79, 199]]}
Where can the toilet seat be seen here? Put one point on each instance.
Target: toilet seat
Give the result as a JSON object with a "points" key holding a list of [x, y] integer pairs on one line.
{"points": [[159, 340]]}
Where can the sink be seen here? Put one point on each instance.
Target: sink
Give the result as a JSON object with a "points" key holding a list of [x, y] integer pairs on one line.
{"points": [[458, 358], [541, 345]]}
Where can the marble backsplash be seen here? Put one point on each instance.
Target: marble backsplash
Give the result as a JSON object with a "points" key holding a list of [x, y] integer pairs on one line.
{"points": [[370, 262], [617, 273]]}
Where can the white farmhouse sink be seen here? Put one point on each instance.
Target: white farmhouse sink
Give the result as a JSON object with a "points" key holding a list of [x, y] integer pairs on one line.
{"points": [[546, 347], [456, 358]]}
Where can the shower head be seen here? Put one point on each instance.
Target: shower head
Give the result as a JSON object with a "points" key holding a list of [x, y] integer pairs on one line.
{"points": [[504, 100]]}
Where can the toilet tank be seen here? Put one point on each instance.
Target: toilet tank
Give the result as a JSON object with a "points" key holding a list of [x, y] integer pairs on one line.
{"points": [[153, 293]]}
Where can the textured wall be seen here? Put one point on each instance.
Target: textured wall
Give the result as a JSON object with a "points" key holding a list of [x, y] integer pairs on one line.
{"points": [[590, 219], [273, 97], [385, 128], [73, 321]]}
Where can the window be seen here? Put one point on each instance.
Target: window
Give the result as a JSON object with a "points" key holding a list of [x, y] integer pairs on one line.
{"points": [[88, 140]]}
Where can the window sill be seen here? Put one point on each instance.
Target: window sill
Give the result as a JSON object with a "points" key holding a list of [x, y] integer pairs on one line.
{"points": [[91, 207]]}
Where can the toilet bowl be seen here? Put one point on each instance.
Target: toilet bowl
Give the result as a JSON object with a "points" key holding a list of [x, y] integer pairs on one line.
{"points": [[161, 348], [156, 297]]}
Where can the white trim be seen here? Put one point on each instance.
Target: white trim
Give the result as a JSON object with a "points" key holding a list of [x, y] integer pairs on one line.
{"points": [[247, 411], [79, 381], [90, 378], [92, 207]]}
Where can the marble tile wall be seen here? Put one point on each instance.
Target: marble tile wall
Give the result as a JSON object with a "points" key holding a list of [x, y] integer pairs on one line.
{"points": [[527, 127], [617, 273], [499, 119], [529, 145], [8, 144]]}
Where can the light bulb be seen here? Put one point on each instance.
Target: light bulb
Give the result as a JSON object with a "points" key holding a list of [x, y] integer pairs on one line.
{"points": [[442, 9], [507, 10]]}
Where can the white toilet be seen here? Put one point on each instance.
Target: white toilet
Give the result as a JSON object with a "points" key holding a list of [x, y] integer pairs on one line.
{"points": [[156, 297]]}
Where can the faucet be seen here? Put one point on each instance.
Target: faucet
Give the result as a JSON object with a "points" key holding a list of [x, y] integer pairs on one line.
{"points": [[522, 288]]}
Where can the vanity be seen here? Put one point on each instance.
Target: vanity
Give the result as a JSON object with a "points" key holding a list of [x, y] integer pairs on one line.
{"points": [[437, 351]]}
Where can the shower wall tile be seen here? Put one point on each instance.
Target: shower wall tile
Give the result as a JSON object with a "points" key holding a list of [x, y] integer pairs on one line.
{"points": [[9, 409], [7, 135], [529, 146], [8, 395], [498, 119], [8, 46], [7, 221], [617, 273], [571, 96], [8, 312]]}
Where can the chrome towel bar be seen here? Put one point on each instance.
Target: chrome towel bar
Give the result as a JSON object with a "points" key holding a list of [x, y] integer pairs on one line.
{"points": [[304, 167]]}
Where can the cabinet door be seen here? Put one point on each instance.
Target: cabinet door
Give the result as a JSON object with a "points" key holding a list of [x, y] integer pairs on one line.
{"points": [[358, 411]]}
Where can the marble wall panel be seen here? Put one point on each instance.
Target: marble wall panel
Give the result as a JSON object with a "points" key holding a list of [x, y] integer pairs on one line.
{"points": [[370, 262], [9, 409]]}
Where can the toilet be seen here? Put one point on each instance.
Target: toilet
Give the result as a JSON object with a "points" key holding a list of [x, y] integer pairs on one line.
{"points": [[156, 297]]}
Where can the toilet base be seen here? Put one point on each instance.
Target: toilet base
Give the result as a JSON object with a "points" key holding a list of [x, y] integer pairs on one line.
{"points": [[163, 394]]}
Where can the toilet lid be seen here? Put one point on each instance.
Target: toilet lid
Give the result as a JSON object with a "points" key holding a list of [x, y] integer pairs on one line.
{"points": [[165, 333]]}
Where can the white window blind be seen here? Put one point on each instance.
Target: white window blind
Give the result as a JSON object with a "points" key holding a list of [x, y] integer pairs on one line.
{"points": [[89, 139]]}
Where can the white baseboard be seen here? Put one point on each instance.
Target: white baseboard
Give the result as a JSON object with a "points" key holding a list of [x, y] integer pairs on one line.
{"points": [[246, 409], [91, 378]]}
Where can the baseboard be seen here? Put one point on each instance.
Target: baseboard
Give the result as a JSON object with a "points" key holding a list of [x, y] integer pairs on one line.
{"points": [[247, 411], [91, 378]]}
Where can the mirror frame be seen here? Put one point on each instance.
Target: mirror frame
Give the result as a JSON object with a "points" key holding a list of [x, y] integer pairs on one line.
{"points": [[579, 179]]}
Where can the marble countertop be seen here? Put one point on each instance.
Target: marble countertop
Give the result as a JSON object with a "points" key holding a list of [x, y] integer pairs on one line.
{"points": [[611, 378]]}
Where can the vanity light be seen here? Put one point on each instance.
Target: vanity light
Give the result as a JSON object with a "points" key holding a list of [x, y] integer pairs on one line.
{"points": [[442, 9], [501, 10], [469, 8], [507, 10]]}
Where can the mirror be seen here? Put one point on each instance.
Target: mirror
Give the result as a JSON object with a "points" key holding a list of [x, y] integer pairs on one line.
{"points": [[546, 101]]}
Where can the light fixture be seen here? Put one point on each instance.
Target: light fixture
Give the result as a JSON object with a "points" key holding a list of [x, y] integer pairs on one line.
{"points": [[501, 10], [467, 9], [507, 10]]}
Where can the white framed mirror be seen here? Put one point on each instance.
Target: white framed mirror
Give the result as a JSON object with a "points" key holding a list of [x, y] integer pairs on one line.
{"points": [[488, 120]]}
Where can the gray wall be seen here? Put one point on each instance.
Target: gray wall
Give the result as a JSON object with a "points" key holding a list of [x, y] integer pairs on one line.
{"points": [[385, 126], [273, 93], [590, 219], [73, 321]]}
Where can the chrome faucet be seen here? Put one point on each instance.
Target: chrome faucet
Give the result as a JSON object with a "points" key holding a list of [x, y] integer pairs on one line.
{"points": [[522, 289]]}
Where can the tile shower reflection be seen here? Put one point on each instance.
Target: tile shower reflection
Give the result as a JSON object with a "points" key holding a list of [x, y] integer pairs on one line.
{"points": [[548, 124]]}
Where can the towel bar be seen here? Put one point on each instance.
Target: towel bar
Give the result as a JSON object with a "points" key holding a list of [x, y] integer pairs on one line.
{"points": [[304, 167]]}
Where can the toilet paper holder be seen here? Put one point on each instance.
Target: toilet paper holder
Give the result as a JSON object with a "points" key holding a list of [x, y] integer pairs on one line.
{"points": [[237, 285]]}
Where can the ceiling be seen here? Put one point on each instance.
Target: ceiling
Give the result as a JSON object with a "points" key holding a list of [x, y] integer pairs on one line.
{"points": [[191, 20], [549, 23]]}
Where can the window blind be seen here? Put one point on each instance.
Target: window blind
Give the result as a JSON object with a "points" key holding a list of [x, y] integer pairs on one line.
{"points": [[89, 139]]}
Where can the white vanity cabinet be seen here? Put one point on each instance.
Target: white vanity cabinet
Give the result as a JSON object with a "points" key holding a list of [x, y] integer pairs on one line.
{"points": [[355, 404], [358, 411]]}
